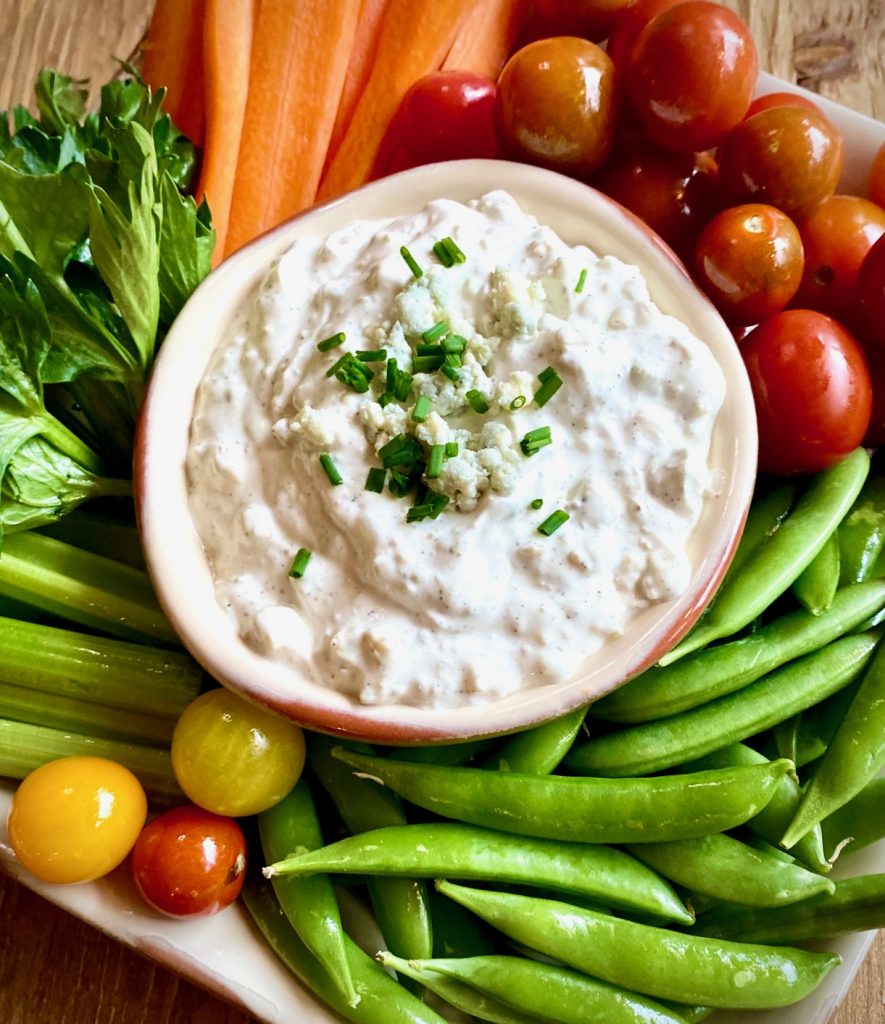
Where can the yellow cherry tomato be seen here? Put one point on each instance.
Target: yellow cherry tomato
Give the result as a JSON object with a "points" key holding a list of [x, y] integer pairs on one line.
{"points": [[235, 758], [76, 819]]}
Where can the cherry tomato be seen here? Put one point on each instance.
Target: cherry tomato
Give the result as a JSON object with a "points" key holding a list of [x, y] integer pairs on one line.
{"points": [[449, 115], [674, 193], [871, 293], [749, 261], [232, 757], [692, 74], [627, 26], [875, 434], [190, 863], [76, 819], [590, 19], [837, 237], [812, 390], [555, 105], [785, 156], [782, 99], [877, 177]]}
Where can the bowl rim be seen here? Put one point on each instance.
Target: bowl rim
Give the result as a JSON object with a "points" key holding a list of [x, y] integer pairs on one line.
{"points": [[173, 552]]}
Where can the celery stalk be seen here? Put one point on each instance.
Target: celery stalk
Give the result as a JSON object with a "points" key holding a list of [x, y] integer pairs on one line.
{"points": [[89, 589], [142, 679], [25, 747], [99, 535]]}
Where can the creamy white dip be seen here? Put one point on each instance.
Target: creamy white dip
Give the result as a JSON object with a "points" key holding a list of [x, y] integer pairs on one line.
{"points": [[474, 603]]}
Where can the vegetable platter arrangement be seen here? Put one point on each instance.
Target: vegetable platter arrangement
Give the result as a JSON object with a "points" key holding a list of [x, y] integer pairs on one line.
{"points": [[685, 847]]}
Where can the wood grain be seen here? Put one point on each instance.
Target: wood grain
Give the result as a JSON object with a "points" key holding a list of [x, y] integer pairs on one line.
{"points": [[57, 970]]}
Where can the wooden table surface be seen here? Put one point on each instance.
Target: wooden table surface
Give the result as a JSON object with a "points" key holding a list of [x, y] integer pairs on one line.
{"points": [[57, 970]]}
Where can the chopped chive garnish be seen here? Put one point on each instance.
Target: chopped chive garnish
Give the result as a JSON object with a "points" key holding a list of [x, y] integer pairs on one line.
{"points": [[551, 382], [352, 372], [428, 363], [330, 469], [410, 262], [398, 381], [435, 461], [448, 253], [372, 355], [375, 479], [422, 409], [518, 402], [336, 366], [451, 372], [402, 450], [451, 449], [385, 399], [454, 343], [553, 522], [333, 341], [452, 359], [440, 252], [537, 503], [582, 280], [477, 401], [424, 349], [436, 332], [299, 563], [429, 509], [534, 440], [399, 484]]}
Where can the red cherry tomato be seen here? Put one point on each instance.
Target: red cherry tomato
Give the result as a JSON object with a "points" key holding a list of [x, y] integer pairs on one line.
{"points": [[692, 75], [626, 28], [871, 294], [875, 434], [782, 99], [189, 862], [837, 237], [749, 261], [590, 19], [877, 177], [812, 390], [449, 115], [674, 193]]}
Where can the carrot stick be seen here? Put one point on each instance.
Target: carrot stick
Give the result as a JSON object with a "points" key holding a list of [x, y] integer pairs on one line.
{"points": [[486, 38], [227, 43], [300, 53], [415, 39], [172, 56]]}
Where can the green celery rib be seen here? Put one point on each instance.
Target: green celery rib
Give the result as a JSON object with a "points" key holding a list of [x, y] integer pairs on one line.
{"points": [[99, 535], [25, 747], [148, 680], [89, 589]]}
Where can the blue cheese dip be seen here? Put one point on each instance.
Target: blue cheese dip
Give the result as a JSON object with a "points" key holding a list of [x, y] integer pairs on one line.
{"points": [[469, 601]]}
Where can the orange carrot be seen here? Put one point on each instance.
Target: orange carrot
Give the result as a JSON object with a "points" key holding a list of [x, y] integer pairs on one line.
{"points": [[227, 43], [415, 39], [486, 38], [172, 56], [300, 53]]}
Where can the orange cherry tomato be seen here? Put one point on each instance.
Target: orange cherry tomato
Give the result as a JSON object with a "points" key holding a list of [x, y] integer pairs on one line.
{"points": [[837, 237], [784, 156], [626, 28], [692, 74], [590, 19], [749, 261], [782, 99], [555, 105], [877, 177], [871, 294], [875, 434]]}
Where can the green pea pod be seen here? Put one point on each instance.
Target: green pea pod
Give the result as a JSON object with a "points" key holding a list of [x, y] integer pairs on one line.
{"points": [[777, 561], [553, 993], [857, 905], [861, 533], [654, 746], [446, 849], [767, 513], [727, 869], [441, 753], [858, 823], [854, 757], [816, 586], [578, 809], [718, 671], [818, 725], [381, 999], [400, 904], [771, 822], [786, 737], [457, 932], [537, 751], [456, 993], [653, 961], [309, 903]]}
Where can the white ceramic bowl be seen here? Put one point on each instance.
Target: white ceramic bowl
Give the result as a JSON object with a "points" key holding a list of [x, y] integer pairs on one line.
{"points": [[175, 556]]}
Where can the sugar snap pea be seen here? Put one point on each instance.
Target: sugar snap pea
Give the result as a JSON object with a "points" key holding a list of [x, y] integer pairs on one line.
{"points": [[580, 809], [537, 751], [777, 561], [718, 671], [670, 741], [857, 905], [442, 753], [854, 757], [382, 1000], [817, 726], [553, 993], [816, 586], [727, 869], [466, 851], [662, 964], [861, 533], [309, 903], [457, 932], [858, 823]]}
